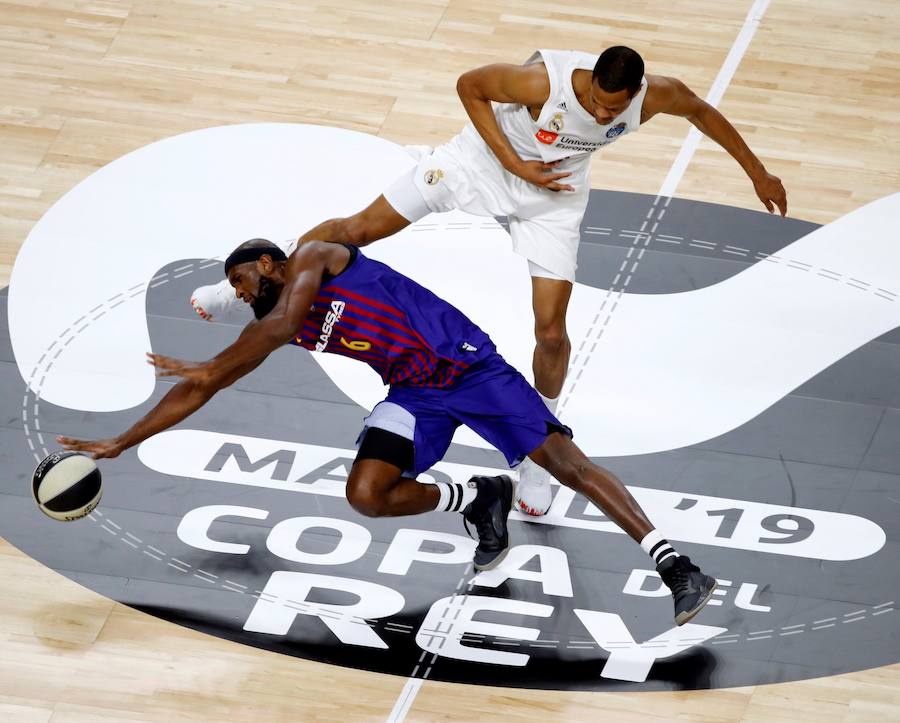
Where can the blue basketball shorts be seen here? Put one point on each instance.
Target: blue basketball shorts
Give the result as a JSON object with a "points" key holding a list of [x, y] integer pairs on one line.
{"points": [[491, 398]]}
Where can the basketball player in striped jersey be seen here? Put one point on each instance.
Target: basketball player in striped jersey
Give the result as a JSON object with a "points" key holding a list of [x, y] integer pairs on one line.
{"points": [[443, 371], [528, 158]]}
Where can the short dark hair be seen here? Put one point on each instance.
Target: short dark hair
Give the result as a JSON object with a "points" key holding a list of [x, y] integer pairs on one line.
{"points": [[619, 68], [253, 250], [256, 243]]}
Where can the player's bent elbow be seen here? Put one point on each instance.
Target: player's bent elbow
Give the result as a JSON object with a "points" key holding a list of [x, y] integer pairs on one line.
{"points": [[467, 86], [462, 84]]}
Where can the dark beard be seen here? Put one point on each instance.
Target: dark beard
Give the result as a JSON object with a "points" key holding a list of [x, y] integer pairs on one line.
{"points": [[267, 297]]}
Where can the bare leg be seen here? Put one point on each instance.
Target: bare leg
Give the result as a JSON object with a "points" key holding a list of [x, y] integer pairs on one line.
{"points": [[374, 222], [550, 299], [691, 588], [564, 460], [377, 489], [379, 219]]}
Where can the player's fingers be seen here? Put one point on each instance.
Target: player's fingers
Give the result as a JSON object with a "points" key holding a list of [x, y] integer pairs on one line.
{"points": [[75, 445], [155, 360], [165, 365], [556, 176], [559, 187], [769, 206], [781, 201]]}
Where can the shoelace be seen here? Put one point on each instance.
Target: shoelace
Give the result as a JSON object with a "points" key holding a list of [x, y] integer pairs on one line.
{"points": [[483, 526], [680, 581]]}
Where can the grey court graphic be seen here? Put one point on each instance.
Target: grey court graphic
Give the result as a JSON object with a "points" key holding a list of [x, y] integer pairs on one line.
{"points": [[234, 523]]}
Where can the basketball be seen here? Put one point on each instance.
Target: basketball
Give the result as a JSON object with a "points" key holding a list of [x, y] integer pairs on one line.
{"points": [[66, 486]]}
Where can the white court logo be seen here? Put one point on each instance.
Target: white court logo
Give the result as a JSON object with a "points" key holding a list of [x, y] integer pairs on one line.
{"points": [[265, 519]]}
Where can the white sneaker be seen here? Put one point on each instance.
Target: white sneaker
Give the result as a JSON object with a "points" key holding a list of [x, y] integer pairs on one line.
{"points": [[533, 496], [216, 302]]}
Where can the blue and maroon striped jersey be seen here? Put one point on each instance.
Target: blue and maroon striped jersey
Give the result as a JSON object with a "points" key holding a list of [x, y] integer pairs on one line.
{"points": [[403, 331]]}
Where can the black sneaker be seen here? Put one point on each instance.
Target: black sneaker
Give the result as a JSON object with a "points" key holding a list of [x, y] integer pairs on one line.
{"points": [[690, 587], [488, 513]]}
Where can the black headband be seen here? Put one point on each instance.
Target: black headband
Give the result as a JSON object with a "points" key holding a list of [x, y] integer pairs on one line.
{"points": [[242, 256]]}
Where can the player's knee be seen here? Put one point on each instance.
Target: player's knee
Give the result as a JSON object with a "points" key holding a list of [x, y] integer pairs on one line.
{"points": [[365, 499], [551, 338]]}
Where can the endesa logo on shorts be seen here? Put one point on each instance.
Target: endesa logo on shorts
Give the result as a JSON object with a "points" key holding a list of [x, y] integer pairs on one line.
{"points": [[546, 137]]}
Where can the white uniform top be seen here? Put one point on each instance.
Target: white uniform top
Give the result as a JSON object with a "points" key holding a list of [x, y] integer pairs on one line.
{"points": [[564, 129], [545, 227]]}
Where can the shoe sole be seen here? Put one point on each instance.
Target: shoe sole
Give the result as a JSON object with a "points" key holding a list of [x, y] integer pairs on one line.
{"points": [[497, 560], [689, 615], [522, 507], [493, 563]]}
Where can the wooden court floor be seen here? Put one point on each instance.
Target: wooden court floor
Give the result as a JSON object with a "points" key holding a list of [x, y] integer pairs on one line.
{"points": [[83, 82]]}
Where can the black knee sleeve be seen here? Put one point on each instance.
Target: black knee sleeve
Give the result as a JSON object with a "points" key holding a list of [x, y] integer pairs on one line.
{"points": [[387, 447]]}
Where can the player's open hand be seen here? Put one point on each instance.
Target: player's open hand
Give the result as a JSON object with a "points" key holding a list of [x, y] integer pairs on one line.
{"points": [[771, 192], [543, 175], [103, 448], [167, 366]]}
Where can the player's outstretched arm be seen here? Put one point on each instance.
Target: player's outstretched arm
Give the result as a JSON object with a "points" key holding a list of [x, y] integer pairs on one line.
{"points": [[201, 380], [180, 402], [671, 96], [526, 85]]}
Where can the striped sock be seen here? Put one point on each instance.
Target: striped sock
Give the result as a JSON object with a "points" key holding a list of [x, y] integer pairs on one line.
{"points": [[454, 497], [658, 547]]}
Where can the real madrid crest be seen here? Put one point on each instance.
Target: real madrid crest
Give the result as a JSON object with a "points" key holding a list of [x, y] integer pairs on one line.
{"points": [[556, 123], [433, 176]]}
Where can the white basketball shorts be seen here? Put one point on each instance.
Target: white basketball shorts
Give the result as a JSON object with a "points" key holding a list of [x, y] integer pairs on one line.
{"points": [[463, 174]]}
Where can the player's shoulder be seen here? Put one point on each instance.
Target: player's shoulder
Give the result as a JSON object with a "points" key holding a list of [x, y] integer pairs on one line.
{"points": [[662, 92], [534, 75], [320, 254], [664, 86], [659, 85]]}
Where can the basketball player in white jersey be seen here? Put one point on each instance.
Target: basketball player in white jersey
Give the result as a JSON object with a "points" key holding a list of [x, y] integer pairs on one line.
{"points": [[528, 158]]}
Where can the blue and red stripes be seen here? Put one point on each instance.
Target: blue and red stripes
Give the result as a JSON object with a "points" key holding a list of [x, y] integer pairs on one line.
{"points": [[395, 350]]}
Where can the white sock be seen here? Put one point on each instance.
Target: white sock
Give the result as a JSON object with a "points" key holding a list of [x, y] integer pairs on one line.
{"points": [[454, 497], [658, 547], [551, 403]]}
